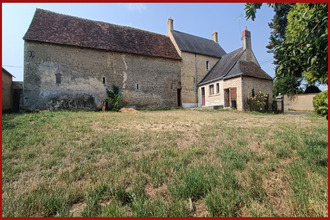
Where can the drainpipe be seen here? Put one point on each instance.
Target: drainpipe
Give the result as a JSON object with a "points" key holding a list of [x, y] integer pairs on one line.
{"points": [[195, 81]]}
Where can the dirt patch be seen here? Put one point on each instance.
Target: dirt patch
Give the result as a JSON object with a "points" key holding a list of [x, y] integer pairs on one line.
{"points": [[200, 209], [130, 110], [77, 208], [154, 193], [277, 186], [101, 127]]}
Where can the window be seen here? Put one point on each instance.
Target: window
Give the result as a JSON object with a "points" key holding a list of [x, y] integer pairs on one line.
{"points": [[58, 78], [103, 80], [211, 89], [207, 65], [218, 88]]}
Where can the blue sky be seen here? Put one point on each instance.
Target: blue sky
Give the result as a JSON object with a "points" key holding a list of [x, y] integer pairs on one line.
{"points": [[200, 19]]}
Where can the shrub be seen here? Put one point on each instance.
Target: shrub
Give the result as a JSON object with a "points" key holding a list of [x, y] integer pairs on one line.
{"points": [[258, 101], [114, 98], [320, 103]]}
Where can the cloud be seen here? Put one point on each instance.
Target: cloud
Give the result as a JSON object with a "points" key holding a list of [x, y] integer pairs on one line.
{"points": [[136, 6]]}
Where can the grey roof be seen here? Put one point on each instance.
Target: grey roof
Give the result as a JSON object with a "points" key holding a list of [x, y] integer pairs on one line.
{"points": [[222, 67], [230, 67], [198, 45]]}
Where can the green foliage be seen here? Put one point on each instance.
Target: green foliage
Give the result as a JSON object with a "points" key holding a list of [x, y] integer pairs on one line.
{"points": [[251, 9], [114, 98], [306, 45], [287, 85], [320, 103], [258, 102], [299, 42], [295, 24]]}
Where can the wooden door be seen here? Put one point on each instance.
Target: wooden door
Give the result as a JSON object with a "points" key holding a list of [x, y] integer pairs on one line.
{"points": [[232, 96], [203, 96]]}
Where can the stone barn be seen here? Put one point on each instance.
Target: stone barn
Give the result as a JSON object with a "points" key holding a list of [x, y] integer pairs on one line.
{"points": [[69, 62]]}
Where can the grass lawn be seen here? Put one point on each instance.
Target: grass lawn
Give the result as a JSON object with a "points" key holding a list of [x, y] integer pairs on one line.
{"points": [[164, 163]]}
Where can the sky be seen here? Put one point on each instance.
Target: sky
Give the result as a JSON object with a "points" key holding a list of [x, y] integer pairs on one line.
{"points": [[199, 19]]}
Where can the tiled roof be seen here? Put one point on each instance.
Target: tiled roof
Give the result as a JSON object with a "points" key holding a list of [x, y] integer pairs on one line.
{"points": [[229, 67], [253, 70], [198, 45], [50, 27]]}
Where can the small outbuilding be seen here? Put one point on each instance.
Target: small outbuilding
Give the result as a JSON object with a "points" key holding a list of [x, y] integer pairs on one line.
{"points": [[233, 78], [7, 88]]}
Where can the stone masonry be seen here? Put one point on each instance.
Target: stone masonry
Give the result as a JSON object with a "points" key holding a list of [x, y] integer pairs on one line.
{"points": [[63, 77]]}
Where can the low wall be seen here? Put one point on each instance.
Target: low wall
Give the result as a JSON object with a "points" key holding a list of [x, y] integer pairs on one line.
{"points": [[299, 102]]}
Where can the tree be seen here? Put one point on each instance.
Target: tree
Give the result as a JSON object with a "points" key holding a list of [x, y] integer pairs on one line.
{"points": [[306, 43], [299, 41], [287, 85]]}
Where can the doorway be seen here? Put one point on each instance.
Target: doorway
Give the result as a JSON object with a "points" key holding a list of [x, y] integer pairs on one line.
{"points": [[203, 96], [179, 97], [233, 97]]}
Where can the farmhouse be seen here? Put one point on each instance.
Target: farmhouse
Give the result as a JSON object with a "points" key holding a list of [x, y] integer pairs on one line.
{"points": [[70, 62], [198, 56], [233, 77]]}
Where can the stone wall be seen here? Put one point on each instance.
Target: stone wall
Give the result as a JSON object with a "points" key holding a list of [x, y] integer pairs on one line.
{"points": [[235, 83], [299, 102], [7, 97], [216, 99], [262, 85], [61, 77], [192, 72]]}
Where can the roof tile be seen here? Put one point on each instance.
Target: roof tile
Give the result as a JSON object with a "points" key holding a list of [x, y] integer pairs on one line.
{"points": [[51, 27], [198, 45]]}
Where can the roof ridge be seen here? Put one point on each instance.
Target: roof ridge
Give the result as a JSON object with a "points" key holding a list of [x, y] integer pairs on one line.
{"points": [[195, 36]]}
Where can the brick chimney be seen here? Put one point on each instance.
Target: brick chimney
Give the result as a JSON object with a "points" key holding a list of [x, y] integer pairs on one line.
{"points": [[246, 37], [215, 36], [169, 25]]}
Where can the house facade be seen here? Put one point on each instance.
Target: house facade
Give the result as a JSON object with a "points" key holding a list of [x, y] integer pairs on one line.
{"points": [[231, 81], [70, 62], [198, 56]]}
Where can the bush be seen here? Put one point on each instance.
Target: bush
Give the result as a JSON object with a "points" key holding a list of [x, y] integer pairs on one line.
{"points": [[258, 101], [114, 98], [320, 103]]}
